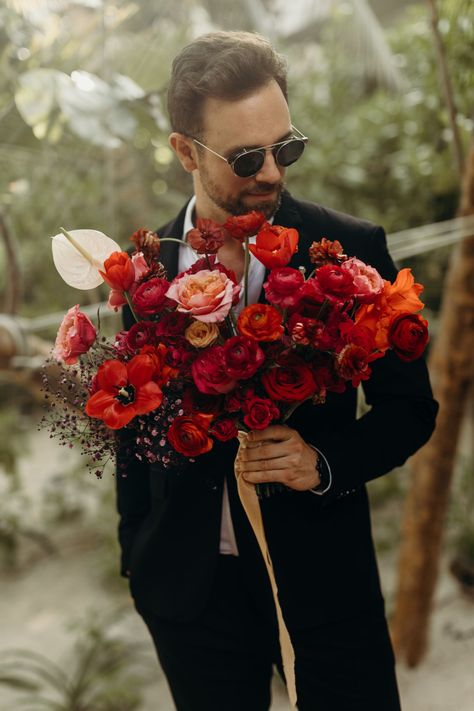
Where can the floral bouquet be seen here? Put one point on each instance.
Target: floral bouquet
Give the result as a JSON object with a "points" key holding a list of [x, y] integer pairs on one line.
{"points": [[192, 369], [200, 364]]}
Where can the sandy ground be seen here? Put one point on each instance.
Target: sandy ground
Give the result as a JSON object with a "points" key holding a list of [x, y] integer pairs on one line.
{"points": [[38, 603]]}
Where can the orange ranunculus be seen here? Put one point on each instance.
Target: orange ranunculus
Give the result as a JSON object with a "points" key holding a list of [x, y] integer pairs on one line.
{"points": [[124, 390], [260, 322], [275, 245], [188, 434], [119, 272]]}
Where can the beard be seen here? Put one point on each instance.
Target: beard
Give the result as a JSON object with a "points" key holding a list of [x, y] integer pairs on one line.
{"points": [[235, 204]]}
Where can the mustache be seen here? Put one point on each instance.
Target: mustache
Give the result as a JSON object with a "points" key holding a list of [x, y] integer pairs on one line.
{"points": [[263, 188]]}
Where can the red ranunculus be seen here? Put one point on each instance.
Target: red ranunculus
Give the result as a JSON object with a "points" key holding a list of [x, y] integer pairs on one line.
{"points": [[207, 237], [310, 299], [242, 226], [243, 357], [259, 412], [283, 287], [353, 364], [292, 381], [150, 296], [188, 434], [124, 390], [210, 374], [334, 283], [119, 272], [139, 335], [408, 335], [275, 245], [172, 326], [224, 429]]}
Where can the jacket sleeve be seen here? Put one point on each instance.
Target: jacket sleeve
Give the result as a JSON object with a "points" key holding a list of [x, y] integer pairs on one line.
{"points": [[401, 418]]}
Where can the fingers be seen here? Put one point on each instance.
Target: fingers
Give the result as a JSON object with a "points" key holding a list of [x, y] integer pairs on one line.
{"points": [[275, 432], [264, 450]]}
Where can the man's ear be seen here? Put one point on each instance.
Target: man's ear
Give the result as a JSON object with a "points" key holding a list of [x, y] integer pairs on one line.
{"points": [[185, 150]]}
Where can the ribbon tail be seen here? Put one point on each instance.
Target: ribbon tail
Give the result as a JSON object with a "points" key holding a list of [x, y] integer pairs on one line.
{"points": [[251, 505]]}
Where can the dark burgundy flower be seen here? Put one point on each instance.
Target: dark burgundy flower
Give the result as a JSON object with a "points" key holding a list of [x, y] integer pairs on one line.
{"points": [[243, 357]]}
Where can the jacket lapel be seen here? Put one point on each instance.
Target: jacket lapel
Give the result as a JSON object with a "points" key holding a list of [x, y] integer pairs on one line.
{"points": [[169, 251]]}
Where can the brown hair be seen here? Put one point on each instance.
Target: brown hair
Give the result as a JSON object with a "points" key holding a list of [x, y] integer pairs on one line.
{"points": [[220, 65]]}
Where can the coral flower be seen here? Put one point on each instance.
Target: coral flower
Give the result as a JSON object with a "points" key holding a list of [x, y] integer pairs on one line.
{"points": [[119, 271], [275, 246], [124, 390]]}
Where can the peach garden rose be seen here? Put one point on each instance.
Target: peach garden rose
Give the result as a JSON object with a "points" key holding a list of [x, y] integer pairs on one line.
{"points": [[206, 295]]}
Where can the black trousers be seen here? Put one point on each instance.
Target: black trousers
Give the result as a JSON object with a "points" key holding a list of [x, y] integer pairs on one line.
{"points": [[224, 660]]}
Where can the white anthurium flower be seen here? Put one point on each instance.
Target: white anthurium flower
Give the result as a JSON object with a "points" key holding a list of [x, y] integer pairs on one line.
{"points": [[79, 254]]}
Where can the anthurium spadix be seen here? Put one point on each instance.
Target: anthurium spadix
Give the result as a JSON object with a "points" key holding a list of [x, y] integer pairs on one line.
{"points": [[79, 254]]}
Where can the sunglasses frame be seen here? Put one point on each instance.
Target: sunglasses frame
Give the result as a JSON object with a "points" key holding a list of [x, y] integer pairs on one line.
{"points": [[274, 147]]}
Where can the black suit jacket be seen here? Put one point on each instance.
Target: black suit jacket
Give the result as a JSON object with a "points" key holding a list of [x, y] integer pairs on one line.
{"points": [[321, 546]]}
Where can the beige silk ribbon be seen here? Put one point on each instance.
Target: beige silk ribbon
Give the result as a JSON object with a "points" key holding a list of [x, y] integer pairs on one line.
{"points": [[249, 499]]}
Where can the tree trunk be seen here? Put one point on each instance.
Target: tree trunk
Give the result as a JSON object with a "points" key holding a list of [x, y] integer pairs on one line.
{"points": [[451, 367]]}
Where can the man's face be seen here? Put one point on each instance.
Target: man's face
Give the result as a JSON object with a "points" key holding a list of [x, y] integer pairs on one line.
{"points": [[260, 119]]}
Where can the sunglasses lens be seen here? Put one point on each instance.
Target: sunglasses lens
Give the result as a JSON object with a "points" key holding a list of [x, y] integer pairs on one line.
{"points": [[248, 164], [290, 152]]}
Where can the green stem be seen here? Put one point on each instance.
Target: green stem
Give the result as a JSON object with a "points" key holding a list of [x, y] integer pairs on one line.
{"points": [[130, 306], [173, 239], [246, 272]]}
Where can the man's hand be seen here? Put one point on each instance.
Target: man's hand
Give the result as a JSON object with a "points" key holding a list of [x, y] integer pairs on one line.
{"points": [[278, 454]]}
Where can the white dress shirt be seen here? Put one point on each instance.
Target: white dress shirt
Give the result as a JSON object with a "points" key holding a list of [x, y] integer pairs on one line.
{"points": [[187, 257]]}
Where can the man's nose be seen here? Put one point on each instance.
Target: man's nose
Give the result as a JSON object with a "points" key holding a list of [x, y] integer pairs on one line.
{"points": [[270, 171]]}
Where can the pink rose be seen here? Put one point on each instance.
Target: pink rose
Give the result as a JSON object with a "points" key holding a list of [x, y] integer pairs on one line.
{"points": [[210, 372], [367, 281], [206, 295], [283, 287], [75, 336], [150, 296]]}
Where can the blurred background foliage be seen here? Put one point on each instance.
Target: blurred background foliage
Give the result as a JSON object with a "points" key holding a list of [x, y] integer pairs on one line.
{"points": [[83, 143]]}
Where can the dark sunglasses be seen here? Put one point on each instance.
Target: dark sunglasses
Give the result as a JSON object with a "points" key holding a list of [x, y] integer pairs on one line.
{"points": [[249, 161]]}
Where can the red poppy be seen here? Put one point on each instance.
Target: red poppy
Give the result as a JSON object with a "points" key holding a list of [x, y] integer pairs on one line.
{"points": [[207, 237], [119, 272], [275, 245], [124, 390], [242, 226]]}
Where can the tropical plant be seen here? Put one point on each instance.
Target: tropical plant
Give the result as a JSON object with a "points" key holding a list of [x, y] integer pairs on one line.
{"points": [[104, 672]]}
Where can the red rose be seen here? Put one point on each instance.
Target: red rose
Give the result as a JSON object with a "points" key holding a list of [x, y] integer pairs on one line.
{"points": [[353, 364], [259, 412], [150, 296], [139, 335], [243, 357], [275, 245], [408, 335], [207, 237], [188, 434], [210, 374], [243, 226], [119, 272], [292, 381], [224, 430], [283, 287], [334, 283]]}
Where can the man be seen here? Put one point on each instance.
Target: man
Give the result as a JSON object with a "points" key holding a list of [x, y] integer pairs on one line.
{"points": [[196, 573]]}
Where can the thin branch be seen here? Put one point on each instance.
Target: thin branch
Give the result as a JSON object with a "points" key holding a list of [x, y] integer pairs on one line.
{"points": [[446, 86], [13, 272]]}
